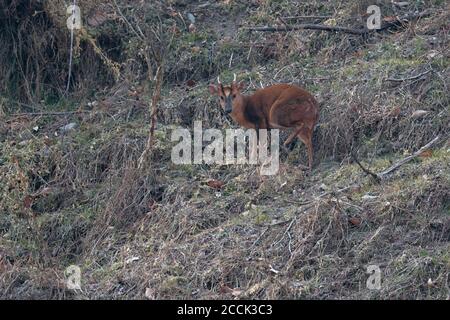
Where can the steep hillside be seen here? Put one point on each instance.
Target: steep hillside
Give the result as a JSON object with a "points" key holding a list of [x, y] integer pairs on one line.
{"points": [[72, 191]]}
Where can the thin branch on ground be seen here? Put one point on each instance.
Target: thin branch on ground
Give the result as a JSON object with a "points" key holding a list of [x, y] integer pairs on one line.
{"points": [[408, 158], [362, 31], [306, 17], [367, 171], [61, 113], [380, 176], [409, 78], [308, 26]]}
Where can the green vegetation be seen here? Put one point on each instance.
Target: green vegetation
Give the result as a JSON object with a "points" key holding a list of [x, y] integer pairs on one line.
{"points": [[160, 231]]}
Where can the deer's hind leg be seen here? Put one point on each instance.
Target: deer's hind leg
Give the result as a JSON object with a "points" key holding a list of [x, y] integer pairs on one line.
{"points": [[295, 133], [305, 135], [288, 144]]}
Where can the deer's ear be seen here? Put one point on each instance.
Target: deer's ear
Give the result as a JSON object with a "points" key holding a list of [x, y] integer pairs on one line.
{"points": [[212, 88], [241, 86]]}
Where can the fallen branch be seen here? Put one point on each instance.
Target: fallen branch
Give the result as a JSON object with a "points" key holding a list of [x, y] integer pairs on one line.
{"points": [[308, 26], [31, 107], [61, 113], [362, 31], [407, 159], [367, 171], [380, 176], [306, 17], [409, 78]]}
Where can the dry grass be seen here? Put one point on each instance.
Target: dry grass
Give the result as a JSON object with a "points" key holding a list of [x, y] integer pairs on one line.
{"points": [[161, 232]]}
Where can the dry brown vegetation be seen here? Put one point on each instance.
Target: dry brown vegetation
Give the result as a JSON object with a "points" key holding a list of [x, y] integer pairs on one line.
{"points": [[71, 191]]}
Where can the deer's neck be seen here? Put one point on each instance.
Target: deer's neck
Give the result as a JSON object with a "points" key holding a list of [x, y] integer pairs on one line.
{"points": [[245, 114]]}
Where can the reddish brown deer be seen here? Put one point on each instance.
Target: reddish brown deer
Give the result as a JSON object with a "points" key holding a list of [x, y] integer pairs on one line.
{"points": [[280, 106]]}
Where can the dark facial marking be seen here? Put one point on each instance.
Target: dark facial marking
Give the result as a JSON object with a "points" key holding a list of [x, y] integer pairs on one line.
{"points": [[228, 108]]}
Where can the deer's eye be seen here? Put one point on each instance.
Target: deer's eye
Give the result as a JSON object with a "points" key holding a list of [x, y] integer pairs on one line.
{"points": [[221, 97], [234, 96]]}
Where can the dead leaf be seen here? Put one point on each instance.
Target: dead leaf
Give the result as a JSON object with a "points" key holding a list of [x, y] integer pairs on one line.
{"points": [[173, 13], [355, 221], [390, 18], [395, 112], [215, 184], [191, 83], [192, 28], [225, 289], [27, 201], [426, 154], [236, 292], [195, 49], [255, 288], [174, 29], [358, 54]]}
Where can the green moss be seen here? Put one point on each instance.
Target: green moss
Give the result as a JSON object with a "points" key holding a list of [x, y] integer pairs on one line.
{"points": [[355, 69], [399, 62], [174, 282], [188, 39], [262, 218], [420, 46]]}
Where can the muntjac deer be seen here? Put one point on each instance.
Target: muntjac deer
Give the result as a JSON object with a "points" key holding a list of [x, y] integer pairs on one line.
{"points": [[280, 106]]}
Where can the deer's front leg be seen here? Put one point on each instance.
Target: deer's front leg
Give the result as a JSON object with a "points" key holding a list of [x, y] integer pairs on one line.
{"points": [[254, 146]]}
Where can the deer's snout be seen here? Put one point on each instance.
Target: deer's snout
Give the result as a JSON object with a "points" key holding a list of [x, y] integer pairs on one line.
{"points": [[228, 105]]}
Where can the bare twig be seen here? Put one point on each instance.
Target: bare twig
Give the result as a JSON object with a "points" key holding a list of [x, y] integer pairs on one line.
{"points": [[260, 236], [154, 112], [139, 34], [409, 78], [231, 61], [286, 231], [29, 106], [367, 171]]}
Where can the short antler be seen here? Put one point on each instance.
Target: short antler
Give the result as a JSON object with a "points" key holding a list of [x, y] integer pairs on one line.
{"points": [[234, 80], [218, 80]]}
